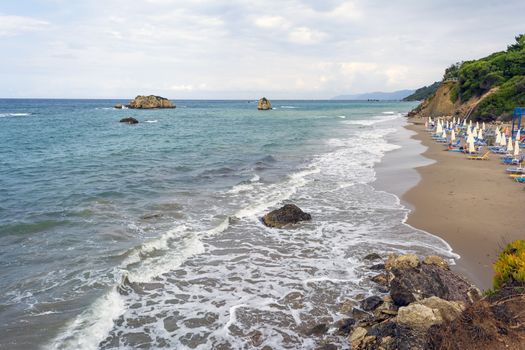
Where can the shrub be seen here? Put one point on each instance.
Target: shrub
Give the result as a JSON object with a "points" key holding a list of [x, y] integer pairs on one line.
{"points": [[510, 266]]}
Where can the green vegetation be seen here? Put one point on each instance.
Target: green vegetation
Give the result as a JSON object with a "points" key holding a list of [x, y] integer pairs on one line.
{"points": [[423, 93], [510, 266], [504, 71]]}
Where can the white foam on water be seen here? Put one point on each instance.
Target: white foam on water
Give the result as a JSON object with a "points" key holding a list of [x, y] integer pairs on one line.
{"points": [[341, 116], [217, 286], [6, 115], [289, 107], [373, 120], [88, 329], [150, 121]]}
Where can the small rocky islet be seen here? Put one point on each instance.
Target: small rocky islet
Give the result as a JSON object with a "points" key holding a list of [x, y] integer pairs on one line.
{"points": [[264, 104], [147, 102]]}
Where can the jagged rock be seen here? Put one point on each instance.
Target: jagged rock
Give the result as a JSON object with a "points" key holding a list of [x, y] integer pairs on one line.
{"points": [[435, 260], [357, 336], [119, 106], [150, 102], [317, 330], [371, 303], [409, 285], [448, 310], [129, 120], [372, 256], [418, 316], [346, 306], [381, 279], [329, 346], [377, 267], [344, 326], [289, 214], [402, 262], [264, 104]]}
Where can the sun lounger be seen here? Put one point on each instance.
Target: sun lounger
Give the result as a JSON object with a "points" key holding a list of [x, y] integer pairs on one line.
{"points": [[478, 157], [520, 179], [515, 170]]}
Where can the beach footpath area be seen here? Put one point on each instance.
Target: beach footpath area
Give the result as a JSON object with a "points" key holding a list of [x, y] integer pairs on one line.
{"points": [[472, 204]]}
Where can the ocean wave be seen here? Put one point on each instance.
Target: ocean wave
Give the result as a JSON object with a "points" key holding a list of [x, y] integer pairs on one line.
{"points": [[289, 107], [373, 120], [150, 121], [7, 115]]}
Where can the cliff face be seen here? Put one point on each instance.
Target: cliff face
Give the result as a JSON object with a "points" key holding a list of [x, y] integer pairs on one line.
{"points": [[441, 103]]}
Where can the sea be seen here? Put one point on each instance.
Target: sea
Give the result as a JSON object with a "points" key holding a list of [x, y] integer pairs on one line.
{"points": [[149, 236]]}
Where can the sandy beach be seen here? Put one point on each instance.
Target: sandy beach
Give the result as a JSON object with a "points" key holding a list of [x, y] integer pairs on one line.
{"points": [[473, 205]]}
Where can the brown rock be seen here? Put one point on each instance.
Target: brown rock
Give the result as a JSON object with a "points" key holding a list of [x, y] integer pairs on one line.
{"points": [[150, 102], [435, 260], [402, 262], [264, 104]]}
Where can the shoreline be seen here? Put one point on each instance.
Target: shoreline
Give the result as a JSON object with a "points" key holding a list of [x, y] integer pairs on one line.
{"points": [[472, 205]]}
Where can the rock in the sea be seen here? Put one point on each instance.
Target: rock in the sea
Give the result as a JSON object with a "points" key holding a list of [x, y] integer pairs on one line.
{"points": [[413, 284], [119, 106], [264, 104], [150, 102], [289, 214], [371, 303], [129, 120], [372, 256], [317, 330]]}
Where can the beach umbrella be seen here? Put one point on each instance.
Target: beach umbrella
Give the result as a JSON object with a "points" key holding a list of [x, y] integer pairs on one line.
{"points": [[477, 125], [470, 138], [503, 141], [480, 134], [447, 125], [439, 128], [426, 125], [483, 126], [518, 136], [452, 136], [471, 148], [470, 123], [498, 137], [430, 119], [510, 147], [444, 135], [517, 148]]}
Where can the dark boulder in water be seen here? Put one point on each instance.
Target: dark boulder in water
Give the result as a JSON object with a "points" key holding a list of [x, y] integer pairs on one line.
{"points": [[119, 106], [289, 214], [129, 120]]}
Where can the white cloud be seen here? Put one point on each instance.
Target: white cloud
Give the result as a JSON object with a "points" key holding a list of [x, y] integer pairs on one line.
{"points": [[306, 36], [272, 22], [15, 25]]}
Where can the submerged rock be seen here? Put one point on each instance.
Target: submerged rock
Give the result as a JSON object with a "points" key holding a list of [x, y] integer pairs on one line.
{"points": [[288, 214], [372, 256], [150, 102], [264, 104], [129, 120]]}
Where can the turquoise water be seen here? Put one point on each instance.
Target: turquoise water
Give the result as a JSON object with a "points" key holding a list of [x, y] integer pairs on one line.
{"points": [[173, 203]]}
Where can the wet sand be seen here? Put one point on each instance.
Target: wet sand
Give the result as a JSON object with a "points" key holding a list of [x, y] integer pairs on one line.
{"points": [[473, 205]]}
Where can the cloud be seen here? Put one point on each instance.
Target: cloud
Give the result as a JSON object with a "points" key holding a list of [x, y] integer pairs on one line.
{"points": [[243, 49], [15, 25], [305, 35]]}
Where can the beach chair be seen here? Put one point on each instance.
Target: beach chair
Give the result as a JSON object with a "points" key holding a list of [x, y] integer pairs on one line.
{"points": [[520, 179], [478, 157]]}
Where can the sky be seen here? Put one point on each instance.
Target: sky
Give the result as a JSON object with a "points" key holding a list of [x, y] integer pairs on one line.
{"points": [[233, 49]]}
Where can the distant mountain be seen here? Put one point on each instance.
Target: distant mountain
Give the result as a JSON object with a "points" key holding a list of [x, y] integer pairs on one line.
{"points": [[395, 95], [423, 93]]}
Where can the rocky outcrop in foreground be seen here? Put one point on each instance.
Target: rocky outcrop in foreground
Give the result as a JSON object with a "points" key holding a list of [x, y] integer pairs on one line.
{"points": [[264, 104], [150, 102], [421, 294], [288, 214]]}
